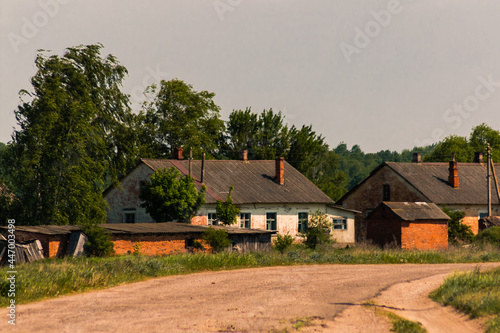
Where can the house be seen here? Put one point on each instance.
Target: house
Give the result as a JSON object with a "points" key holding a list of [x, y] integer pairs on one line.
{"points": [[409, 225], [145, 238], [460, 186], [271, 194]]}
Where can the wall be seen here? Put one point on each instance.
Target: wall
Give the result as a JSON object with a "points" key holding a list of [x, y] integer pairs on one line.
{"points": [[472, 214], [152, 244], [424, 235], [127, 196], [368, 196], [287, 217], [383, 229]]}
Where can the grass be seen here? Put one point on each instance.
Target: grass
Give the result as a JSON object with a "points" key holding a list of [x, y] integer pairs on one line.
{"points": [[53, 277], [401, 325], [476, 294]]}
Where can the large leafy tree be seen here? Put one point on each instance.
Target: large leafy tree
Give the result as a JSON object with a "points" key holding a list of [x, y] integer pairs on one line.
{"points": [[170, 197], [179, 116], [74, 137]]}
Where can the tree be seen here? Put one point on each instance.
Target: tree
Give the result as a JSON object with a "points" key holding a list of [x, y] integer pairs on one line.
{"points": [[99, 242], [218, 239], [242, 129], [226, 211], [457, 231], [179, 116], [318, 230], [306, 149], [482, 135], [74, 138], [452, 144], [328, 176], [168, 197]]}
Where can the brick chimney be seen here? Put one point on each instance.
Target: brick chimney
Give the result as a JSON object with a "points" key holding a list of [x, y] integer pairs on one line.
{"points": [[280, 170], [244, 155], [478, 157], [417, 158], [178, 153], [453, 175]]}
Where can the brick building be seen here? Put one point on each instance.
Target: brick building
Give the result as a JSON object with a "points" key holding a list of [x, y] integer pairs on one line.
{"points": [[271, 194], [460, 186], [145, 238], [409, 225]]}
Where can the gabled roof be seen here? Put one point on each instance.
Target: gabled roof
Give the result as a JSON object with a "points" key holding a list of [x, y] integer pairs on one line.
{"points": [[431, 180], [253, 181], [413, 211]]}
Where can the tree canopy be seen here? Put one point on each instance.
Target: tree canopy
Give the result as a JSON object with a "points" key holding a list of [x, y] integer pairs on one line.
{"points": [[74, 137], [170, 197]]}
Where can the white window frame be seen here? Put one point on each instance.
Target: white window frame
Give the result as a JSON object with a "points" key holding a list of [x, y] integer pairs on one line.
{"points": [[244, 219], [129, 212], [339, 221], [299, 229], [212, 218]]}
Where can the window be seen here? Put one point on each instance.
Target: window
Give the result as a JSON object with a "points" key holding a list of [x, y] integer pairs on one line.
{"points": [[129, 216], [271, 221], [245, 220], [303, 218], [483, 215], [212, 219], [340, 223], [386, 192]]}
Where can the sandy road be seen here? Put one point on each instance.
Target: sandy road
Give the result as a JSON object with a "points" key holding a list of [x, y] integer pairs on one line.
{"points": [[250, 300]]}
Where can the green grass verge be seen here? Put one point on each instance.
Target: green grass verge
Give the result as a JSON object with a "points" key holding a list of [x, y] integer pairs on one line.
{"points": [[54, 277], [476, 294], [401, 325]]}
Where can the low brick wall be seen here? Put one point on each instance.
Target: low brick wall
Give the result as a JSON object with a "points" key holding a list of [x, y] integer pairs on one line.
{"points": [[152, 245], [424, 235], [53, 245]]}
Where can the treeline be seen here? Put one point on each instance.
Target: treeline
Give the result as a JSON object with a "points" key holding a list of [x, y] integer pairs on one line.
{"points": [[78, 135]]}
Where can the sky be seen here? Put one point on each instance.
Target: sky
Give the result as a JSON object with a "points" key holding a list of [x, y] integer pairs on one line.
{"points": [[382, 74]]}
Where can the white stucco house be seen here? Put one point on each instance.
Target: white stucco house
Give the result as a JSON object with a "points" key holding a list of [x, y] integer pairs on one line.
{"points": [[271, 194]]}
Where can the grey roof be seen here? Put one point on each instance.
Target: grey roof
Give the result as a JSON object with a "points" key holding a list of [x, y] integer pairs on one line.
{"points": [[139, 228], [253, 181], [412, 211], [431, 179]]}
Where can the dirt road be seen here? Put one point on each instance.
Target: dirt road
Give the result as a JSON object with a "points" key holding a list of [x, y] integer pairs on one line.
{"points": [[250, 300]]}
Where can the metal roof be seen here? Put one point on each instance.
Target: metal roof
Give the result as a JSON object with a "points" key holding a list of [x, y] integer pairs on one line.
{"points": [[412, 211], [139, 228], [253, 181]]}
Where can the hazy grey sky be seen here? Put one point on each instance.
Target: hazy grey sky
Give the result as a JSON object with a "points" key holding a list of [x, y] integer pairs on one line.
{"points": [[383, 74]]}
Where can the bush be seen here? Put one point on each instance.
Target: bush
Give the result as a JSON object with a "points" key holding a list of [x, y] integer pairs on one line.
{"points": [[218, 239], [457, 231], [99, 242], [318, 230], [489, 236], [281, 243]]}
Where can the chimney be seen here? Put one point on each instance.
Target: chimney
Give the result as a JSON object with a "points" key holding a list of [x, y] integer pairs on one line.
{"points": [[478, 157], [280, 170], [244, 155], [417, 158], [453, 175], [178, 153]]}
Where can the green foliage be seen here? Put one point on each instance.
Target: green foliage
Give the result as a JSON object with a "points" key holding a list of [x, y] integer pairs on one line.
{"points": [[401, 325], [99, 242], [476, 294], [170, 197], [282, 243], [489, 236], [218, 239], [318, 230], [226, 211], [74, 138], [457, 231], [179, 116]]}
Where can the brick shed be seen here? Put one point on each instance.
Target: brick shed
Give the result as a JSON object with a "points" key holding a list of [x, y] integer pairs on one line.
{"points": [[146, 238], [410, 225]]}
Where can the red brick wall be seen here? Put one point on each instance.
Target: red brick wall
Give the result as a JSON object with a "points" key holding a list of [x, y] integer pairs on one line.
{"points": [[199, 220], [424, 235], [151, 244], [382, 229]]}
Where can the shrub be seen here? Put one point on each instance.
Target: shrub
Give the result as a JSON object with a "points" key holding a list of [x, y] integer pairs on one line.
{"points": [[489, 236], [318, 230], [218, 239], [281, 243], [99, 242], [457, 231]]}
